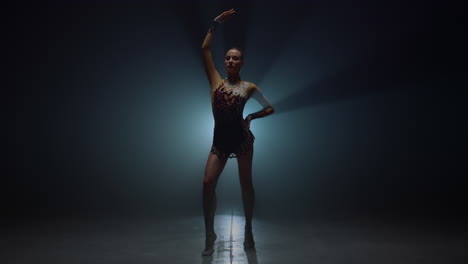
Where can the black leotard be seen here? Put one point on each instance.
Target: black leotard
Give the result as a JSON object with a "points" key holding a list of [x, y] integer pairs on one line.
{"points": [[231, 137]]}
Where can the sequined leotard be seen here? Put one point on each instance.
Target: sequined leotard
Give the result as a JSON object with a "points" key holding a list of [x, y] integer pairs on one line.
{"points": [[231, 137]]}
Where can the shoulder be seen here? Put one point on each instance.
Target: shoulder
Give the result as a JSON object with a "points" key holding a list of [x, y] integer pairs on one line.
{"points": [[251, 87], [251, 84]]}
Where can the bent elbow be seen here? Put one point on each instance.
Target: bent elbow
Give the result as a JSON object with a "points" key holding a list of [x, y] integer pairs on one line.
{"points": [[271, 110]]}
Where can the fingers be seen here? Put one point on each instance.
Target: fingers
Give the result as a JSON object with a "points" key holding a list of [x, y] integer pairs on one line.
{"points": [[225, 15], [247, 123], [232, 11]]}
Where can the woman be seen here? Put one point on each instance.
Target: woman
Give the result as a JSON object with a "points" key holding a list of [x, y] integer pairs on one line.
{"points": [[232, 135]]}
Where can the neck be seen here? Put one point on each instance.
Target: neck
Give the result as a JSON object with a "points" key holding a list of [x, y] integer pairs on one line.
{"points": [[233, 78]]}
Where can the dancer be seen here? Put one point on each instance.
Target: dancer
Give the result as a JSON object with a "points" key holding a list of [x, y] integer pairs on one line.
{"points": [[232, 136]]}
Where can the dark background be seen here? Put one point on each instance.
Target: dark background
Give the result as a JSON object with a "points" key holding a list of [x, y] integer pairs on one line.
{"points": [[107, 108]]}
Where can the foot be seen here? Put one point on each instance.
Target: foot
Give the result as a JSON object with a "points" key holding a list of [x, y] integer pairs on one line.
{"points": [[209, 244], [249, 242]]}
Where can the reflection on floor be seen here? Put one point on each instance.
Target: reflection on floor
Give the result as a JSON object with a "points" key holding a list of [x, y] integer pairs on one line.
{"points": [[229, 245], [181, 240]]}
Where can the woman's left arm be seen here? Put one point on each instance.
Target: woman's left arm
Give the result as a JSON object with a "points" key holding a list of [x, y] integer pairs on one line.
{"points": [[263, 101]]}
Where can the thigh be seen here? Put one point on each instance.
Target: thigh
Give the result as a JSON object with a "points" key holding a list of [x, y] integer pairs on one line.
{"points": [[244, 163], [214, 167]]}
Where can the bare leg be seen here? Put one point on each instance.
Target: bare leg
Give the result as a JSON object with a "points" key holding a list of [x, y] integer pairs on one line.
{"points": [[244, 163], [213, 169]]}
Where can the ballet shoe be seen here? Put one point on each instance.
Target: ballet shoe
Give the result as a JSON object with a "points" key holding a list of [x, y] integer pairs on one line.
{"points": [[209, 244]]}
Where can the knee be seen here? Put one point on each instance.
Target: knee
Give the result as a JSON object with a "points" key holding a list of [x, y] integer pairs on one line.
{"points": [[209, 183]]}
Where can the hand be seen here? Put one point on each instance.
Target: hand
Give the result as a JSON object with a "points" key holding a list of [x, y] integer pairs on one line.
{"points": [[247, 121], [224, 16]]}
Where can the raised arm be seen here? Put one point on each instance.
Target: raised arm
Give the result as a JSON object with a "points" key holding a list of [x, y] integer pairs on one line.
{"points": [[213, 75], [263, 101]]}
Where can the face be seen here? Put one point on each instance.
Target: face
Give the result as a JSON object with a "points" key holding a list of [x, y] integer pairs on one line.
{"points": [[233, 61]]}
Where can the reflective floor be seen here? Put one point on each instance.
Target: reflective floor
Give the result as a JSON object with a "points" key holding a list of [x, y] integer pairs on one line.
{"points": [[180, 240]]}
